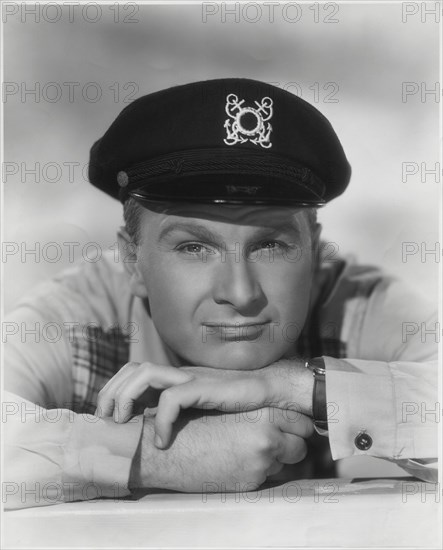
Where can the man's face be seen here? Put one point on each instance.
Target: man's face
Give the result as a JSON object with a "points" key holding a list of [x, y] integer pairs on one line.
{"points": [[228, 286]]}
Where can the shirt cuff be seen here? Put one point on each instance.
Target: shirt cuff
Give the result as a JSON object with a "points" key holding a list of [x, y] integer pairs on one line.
{"points": [[98, 457], [375, 408]]}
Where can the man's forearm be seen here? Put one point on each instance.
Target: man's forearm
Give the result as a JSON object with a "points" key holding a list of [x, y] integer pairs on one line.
{"points": [[212, 450], [153, 468], [174, 467], [140, 476]]}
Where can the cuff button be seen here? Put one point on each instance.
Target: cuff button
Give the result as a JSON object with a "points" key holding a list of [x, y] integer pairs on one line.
{"points": [[363, 441]]}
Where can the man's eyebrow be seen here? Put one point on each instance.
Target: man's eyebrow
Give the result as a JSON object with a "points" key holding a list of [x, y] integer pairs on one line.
{"points": [[289, 228], [292, 227], [203, 233], [197, 230]]}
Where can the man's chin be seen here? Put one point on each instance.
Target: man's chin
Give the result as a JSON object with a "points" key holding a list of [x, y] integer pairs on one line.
{"points": [[239, 356]]}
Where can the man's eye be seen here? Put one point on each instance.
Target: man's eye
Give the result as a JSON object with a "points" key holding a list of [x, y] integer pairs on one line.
{"points": [[195, 249], [271, 245], [268, 244]]}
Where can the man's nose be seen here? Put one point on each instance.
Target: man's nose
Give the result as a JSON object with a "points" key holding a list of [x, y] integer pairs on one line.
{"points": [[237, 284]]}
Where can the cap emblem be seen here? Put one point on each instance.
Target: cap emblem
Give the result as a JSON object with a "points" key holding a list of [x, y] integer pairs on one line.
{"points": [[248, 123]]}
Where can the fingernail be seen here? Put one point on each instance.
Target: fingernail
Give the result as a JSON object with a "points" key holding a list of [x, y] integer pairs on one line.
{"points": [[158, 441]]}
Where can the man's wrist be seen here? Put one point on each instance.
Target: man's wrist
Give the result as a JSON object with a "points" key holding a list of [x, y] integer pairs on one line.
{"points": [[291, 385]]}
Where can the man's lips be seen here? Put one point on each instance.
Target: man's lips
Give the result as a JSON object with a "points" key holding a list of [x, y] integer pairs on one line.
{"points": [[234, 325], [236, 332], [231, 324]]}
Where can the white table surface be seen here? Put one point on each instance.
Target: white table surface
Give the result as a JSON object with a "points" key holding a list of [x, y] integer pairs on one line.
{"points": [[304, 513]]}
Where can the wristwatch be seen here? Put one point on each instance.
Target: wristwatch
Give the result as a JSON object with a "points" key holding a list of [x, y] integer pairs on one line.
{"points": [[319, 404]]}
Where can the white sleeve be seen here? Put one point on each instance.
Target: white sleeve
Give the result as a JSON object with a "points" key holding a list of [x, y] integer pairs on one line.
{"points": [[54, 456], [382, 400]]}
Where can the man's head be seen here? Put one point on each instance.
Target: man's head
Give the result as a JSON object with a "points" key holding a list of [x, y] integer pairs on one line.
{"points": [[220, 181], [227, 286]]}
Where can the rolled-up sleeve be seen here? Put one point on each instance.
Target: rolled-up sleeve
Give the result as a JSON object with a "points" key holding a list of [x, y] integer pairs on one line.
{"points": [[56, 455]]}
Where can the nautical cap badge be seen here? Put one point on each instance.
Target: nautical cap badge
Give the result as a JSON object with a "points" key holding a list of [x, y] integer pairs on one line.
{"points": [[248, 123]]}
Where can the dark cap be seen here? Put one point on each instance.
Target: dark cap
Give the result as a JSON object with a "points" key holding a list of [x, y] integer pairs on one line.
{"points": [[232, 141]]}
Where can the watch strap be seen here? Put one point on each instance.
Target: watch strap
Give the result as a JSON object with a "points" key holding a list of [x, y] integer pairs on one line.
{"points": [[319, 403]]}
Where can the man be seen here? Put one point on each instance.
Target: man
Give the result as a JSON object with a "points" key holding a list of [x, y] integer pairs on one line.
{"points": [[220, 302]]}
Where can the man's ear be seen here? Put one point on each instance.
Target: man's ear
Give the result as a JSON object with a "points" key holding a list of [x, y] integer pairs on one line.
{"points": [[129, 257]]}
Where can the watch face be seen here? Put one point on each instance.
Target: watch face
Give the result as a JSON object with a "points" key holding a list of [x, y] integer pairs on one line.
{"points": [[317, 363]]}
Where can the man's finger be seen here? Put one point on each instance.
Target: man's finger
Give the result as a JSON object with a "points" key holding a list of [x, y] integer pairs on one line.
{"points": [[292, 422], [131, 381], [293, 449], [171, 402], [209, 394], [105, 398], [155, 376], [195, 393], [274, 469], [223, 396]]}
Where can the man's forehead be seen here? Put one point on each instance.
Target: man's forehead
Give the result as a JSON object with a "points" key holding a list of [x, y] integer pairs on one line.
{"points": [[260, 216]]}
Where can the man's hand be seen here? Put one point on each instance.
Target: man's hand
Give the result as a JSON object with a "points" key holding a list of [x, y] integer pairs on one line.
{"points": [[214, 452], [285, 384], [288, 384], [118, 396]]}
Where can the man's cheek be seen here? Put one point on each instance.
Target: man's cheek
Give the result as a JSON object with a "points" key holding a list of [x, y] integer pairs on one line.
{"points": [[172, 312]]}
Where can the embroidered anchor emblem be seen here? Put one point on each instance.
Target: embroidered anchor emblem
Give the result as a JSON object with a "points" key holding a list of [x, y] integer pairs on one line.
{"points": [[248, 123]]}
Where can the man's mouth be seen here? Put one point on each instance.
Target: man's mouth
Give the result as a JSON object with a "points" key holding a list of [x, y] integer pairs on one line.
{"points": [[235, 332]]}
